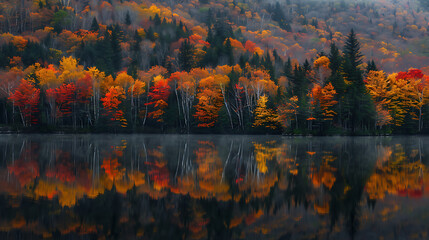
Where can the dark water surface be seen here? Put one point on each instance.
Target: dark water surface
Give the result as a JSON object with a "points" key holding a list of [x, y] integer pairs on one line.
{"points": [[213, 187]]}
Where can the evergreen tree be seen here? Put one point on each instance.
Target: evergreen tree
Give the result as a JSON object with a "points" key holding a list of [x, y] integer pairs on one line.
{"points": [[116, 48], [128, 19], [228, 52], [242, 61], [150, 34], [210, 38], [287, 70], [255, 60], [334, 58], [186, 56], [336, 78], [157, 20], [268, 64], [359, 103], [371, 66], [94, 25], [299, 88]]}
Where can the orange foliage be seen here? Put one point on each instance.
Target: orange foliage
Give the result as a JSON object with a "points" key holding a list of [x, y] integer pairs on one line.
{"points": [[111, 102]]}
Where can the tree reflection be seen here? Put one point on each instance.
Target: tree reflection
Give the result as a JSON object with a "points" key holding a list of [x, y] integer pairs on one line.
{"points": [[204, 187]]}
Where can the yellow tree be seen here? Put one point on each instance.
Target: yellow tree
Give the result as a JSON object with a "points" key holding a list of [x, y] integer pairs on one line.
{"points": [[186, 90], [402, 98], [70, 70], [97, 78], [322, 69], [209, 102], [48, 77], [264, 117], [379, 87], [124, 80], [136, 92]]}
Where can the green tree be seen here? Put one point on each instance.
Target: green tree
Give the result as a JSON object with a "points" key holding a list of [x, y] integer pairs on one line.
{"points": [[94, 25], [60, 20], [186, 56], [128, 19], [360, 107]]}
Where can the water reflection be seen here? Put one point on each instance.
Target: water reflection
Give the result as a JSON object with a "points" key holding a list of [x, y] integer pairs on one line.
{"points": [[213, 187]]}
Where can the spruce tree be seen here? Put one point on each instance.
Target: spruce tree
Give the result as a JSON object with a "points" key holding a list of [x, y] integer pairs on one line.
{"points": [[228, 52], [359, 104], [268, 64], [94, 25], [371, 66], [186, 56], [128, 19], [287, 69], [157, 20], [334, 58]]}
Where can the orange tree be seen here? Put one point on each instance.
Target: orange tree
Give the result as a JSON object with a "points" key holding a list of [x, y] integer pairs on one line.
{"points": [[111, 101]]}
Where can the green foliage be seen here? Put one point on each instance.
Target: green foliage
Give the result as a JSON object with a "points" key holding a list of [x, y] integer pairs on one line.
{"points": [[60, 20]]}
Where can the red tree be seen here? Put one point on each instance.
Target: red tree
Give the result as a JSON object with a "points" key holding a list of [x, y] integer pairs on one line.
{"points": [[159, 94], [26, 98]]}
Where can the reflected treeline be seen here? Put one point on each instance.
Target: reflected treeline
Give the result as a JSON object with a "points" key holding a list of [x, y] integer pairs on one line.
{"points": [[205, 187]]}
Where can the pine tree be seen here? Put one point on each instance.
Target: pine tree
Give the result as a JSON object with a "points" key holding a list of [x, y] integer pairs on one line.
{"points": [[359, 104], [94, 25], [371, 66], [334, 58], [287, 70], [128, 19], [268, 64], [186, 56], [116, 48], [229, 53], [157, 20]]}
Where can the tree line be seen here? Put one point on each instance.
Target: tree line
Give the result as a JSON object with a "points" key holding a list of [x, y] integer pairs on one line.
{"points": [[334, 94]]}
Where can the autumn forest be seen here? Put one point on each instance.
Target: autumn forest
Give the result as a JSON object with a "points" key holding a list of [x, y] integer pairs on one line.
{"points": [[228, 66]]}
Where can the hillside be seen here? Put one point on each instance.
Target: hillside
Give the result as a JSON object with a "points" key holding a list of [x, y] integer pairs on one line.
{"points": [[212, 66]]}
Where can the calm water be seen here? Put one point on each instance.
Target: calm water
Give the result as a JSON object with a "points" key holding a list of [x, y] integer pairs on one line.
{"points": [[213, 187]]}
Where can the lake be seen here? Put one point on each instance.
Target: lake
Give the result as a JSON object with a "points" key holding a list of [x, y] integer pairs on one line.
{"points": [[213, 187]]}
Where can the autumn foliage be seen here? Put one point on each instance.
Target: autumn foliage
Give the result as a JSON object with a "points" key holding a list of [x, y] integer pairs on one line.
{"points": [[26, 98]]}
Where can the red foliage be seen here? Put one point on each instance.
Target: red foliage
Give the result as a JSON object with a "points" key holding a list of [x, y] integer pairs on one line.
{"points": [[250, 46], [84, 89], [411, 74], [64, 97], [111, 102], [25, 170], [64, 170], [159, 94], [26, 98]]}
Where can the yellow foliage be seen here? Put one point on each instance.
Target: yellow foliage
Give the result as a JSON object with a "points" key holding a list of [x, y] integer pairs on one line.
{"points": [[322, 61], [70, 70], [264, 117], [48, 77]]}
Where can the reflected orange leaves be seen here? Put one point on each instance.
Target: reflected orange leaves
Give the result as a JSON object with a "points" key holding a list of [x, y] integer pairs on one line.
{"points": [[324, 174], [321, 209], [397, 174], [112, 168], [206, 170]]}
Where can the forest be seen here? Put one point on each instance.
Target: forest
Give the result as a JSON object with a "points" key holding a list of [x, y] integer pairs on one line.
{"points": [[228, 66]]}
